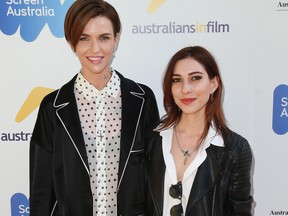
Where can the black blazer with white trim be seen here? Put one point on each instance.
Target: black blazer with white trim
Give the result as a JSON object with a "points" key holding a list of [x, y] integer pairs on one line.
{"points": [[59, 170]]}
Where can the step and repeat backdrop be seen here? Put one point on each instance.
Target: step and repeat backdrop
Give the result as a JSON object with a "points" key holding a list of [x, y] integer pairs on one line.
{"points": [[249, 40]]}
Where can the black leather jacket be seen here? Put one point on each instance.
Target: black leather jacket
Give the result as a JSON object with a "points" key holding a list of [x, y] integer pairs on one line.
{"points": [[222, 184]]}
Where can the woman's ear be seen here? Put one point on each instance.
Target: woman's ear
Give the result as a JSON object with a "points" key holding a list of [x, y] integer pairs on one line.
{"points": [[214, 84], [116, 39]]}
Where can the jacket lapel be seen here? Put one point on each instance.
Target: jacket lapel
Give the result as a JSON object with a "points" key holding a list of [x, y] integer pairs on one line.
{"points": [[66, 110], [207, 176], [132, 104]]}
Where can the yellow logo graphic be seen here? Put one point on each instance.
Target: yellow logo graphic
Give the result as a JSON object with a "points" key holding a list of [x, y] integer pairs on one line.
{"points": [[32, 102], [154, 5]]}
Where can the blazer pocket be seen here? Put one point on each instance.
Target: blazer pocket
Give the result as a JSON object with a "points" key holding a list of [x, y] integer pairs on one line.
{"points": [[137, 156]]}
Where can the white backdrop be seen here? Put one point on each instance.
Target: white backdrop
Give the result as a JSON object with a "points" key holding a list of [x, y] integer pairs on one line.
{"points": [[251, 49]]}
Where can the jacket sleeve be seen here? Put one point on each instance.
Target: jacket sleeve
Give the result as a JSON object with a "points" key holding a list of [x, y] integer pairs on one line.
{"points": [[42, 198], [240, 200]]}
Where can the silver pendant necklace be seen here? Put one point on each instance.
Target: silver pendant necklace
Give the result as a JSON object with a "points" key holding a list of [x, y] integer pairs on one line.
{"points": [[186, 153]]}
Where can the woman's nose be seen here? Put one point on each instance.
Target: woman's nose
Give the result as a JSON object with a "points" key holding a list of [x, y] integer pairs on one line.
{"points": [[95, 46], [186, 87]]}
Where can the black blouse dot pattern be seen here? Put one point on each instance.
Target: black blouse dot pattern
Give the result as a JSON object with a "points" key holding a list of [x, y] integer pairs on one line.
{"points": [[100, 117]]}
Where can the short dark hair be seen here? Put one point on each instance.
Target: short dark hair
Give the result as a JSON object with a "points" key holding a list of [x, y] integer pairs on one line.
{"points": [[79, 14]]}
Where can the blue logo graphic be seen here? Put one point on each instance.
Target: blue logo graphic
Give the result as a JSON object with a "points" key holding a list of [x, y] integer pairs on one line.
{"points": [[19, 205], [31, 16], [280, 110]]}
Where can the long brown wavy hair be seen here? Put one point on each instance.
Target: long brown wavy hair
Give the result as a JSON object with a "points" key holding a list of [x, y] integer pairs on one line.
{"points": [[214, 110]]}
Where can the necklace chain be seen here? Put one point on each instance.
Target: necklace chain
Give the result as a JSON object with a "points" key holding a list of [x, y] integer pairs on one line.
{"points": [[106, 76], [186, 153]]}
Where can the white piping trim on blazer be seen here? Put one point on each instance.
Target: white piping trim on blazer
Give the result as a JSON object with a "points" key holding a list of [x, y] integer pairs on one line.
{"points": [[58, 108], [53, 208], [137, 94]]}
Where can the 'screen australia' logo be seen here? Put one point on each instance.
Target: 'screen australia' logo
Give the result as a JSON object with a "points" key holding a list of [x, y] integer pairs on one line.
{"points": [[30, 16], [280, 110], [19, 205]]}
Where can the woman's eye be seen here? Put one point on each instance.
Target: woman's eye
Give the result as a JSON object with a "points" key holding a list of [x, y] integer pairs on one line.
{"points": [[175, 80], [83, 39], [105, 38], [196, 78]]}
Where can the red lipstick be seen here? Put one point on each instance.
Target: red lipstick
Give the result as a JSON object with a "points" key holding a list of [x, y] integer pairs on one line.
{"points": [[187, 101]]}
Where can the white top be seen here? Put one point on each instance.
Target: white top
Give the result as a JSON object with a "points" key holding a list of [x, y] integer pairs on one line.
{"points": [[100, 117], [190, 173]]}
